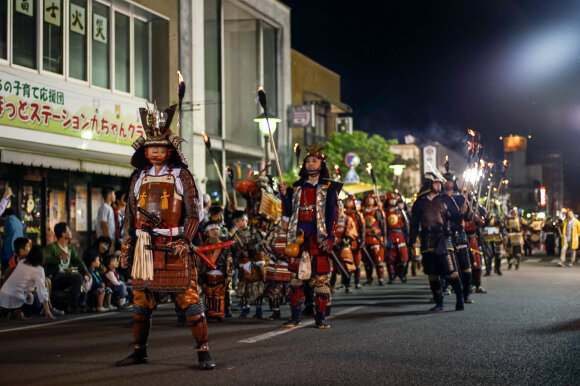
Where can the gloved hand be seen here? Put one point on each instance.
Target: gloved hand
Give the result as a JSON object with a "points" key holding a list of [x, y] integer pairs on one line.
{"points": [[180, 248], [327, 245]]}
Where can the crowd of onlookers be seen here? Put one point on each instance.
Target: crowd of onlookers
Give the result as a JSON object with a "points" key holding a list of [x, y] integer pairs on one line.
{"points": [[57, 279]]}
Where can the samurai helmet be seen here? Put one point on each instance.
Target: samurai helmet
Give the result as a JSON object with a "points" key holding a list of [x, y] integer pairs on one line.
{"points": [[451, 177], [157, 125], [367, 196], [315, 150]]}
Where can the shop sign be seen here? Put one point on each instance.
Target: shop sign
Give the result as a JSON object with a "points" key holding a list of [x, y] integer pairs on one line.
{"points": [[52, 12], [33, 105], [77, 19], [25, 6], [100, 28]]}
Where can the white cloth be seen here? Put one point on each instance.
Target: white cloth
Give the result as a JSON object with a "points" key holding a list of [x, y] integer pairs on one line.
{"points": [[111, 276], [3, 205], [167, 232], [107, 216], [19, 287], [143, 260]]}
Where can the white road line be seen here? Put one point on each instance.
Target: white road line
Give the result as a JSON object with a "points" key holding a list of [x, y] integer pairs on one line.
{"points": [[271, 334], [533, 260], [49, 324]]}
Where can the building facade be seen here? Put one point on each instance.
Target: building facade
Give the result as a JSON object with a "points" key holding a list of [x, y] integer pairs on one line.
{"points": [[73, 74]]}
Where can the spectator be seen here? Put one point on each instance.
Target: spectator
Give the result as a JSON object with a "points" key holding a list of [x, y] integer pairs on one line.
{"points": [[98, 291], [13, 229], [570, 233], [106, 215], [5, 200], [119, 212], [121, 291], [28, 276], [65, 268], [100, 247], [206, 206], [22, 247]]}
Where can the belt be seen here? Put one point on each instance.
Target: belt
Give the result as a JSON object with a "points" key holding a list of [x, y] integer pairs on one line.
{"points": [[307, 207], [177, 231], [396, 230]]}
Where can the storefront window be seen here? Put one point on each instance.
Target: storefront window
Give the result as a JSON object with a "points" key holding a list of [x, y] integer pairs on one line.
{"points": [[52, 36], [270, 66], [241, 76], [122, 52], [3, 29], [101, 42], [24, 33], [78, 39], [212, 45], [30, 209], [141, 59], [213, 187]]}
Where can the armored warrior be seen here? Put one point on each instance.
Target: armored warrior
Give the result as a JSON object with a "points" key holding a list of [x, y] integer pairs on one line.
{"points": [[473, 223], [346, 234], [277, 273], [162, 216], [312, 205], [397, 255], [216, 281], [515, 239], [251, 262], [430, 215], [357, 243], [458, 209], [492, 237], [375, 238]]}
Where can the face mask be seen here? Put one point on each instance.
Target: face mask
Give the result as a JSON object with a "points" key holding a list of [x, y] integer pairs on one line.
{"points": [[313, 173]]}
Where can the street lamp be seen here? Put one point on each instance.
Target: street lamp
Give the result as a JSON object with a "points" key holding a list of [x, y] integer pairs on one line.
{"points": [[398, 172], [267, 126]]}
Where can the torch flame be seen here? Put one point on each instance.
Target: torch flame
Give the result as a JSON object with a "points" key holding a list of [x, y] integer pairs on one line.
{"points": [[296, 145], [337, 169], [482, 163], [446, 157], [369, 167], [505, 163], [490, 165], [471, 132], [260, 89], [205, 138], [179, 77]]}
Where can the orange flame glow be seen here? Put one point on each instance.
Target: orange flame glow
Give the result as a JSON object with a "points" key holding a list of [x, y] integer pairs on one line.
{"points": [[446, 157], [179, 77], [260, 88], [471, 132], [505, 163], [490, 165], [369, 167], [296, 147], [205, 137]]}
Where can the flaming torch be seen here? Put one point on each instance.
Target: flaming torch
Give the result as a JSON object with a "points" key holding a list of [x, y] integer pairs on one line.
{"points": [[374, 178], [446, 163], [207, 142], [472, 147], [230, 173], [264, 104], [297, 151], [180, 94], [505, 165], [337, 172]]}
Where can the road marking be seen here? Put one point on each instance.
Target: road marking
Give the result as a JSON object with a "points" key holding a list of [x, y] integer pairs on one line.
{"points": [[53, 323], [533, 260], [281, 331]]}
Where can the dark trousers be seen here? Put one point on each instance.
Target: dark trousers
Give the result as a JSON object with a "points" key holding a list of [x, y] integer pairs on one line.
{"points": [[72, 281]]}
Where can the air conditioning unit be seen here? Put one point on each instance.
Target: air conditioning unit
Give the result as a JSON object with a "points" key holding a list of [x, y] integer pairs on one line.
{"points": [[343, 125]]}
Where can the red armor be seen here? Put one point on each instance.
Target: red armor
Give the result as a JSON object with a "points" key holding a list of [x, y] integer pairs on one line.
{"points": [[398, 255]]}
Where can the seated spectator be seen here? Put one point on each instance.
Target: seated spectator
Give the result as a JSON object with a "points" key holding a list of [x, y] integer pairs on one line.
{"points": [[21, 249], [98, 291], [28, 277], [65, 268], [121, 291], [101, 247]]}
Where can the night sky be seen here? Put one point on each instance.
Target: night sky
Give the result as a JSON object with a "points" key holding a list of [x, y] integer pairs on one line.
{"points": [[435, 68]]}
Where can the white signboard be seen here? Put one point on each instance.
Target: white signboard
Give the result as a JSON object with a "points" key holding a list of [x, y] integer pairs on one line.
{"points": [[302, 116], [429, 157], [100, 28], [77, 19], [52, 12], [25, 6]]}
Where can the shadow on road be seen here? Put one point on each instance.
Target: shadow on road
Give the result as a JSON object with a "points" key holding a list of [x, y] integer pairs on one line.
{"points": [[571, 326]]}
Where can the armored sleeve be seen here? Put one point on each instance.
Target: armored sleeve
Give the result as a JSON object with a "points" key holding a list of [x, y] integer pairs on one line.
{"points": [[191, 201], [130, 213]]}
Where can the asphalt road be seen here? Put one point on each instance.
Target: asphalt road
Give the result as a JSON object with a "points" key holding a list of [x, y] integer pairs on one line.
{"points": [[525, 330]]}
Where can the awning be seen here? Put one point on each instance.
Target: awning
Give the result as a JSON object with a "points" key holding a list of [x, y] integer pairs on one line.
{"points": [[357, 188], [335, 106]]}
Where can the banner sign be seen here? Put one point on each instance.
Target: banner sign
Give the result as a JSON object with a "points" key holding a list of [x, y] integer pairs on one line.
{"points": [[33, 105]]}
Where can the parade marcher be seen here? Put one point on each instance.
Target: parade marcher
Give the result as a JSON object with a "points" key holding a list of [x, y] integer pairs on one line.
{"points": [[397, 254], [459, 211], [163, 212], [430, 221], [216, 281], [346, 235], [492, 234], [312, 205], [357, 244], [570, 233], [472, 225], [277, 273], [515, 240], [375, 238], [251, 261]]}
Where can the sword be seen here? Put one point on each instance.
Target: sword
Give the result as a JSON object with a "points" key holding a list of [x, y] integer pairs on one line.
{"points": [[338, 262], [368, 256]]}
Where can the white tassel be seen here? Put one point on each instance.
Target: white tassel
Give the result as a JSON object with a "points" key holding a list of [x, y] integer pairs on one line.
{"points": [[143, 261]]}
